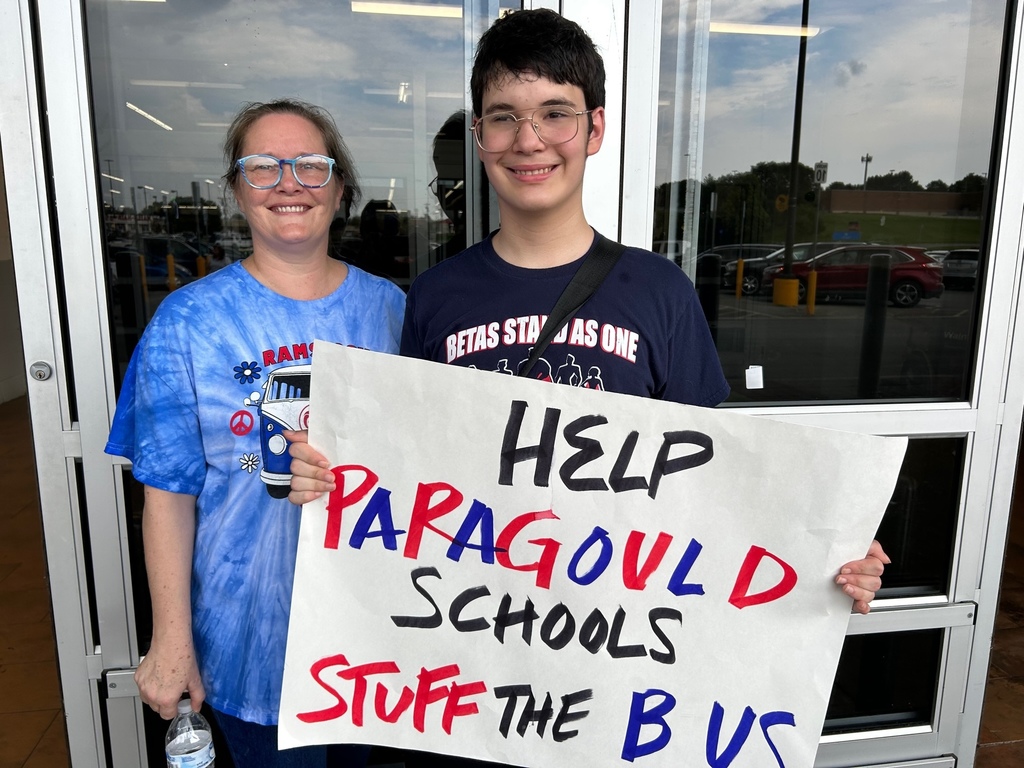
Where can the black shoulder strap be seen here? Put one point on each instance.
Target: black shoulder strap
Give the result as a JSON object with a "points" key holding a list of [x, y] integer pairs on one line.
{"points": [[585, 282]]}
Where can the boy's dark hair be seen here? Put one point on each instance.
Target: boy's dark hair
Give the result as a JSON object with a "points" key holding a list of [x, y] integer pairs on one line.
{"points": [[538, 42]]}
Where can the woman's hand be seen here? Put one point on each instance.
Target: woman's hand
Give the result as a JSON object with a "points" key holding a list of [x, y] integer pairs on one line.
{"points": [[311, 474], [168, 670], [861, 579]]}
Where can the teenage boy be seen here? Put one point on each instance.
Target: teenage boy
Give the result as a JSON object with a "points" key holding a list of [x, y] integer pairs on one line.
{"points": [[538, 104]]}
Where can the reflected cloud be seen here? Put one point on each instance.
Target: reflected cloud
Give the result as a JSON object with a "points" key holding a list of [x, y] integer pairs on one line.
{"points": [[847, 70], [915, 86]]}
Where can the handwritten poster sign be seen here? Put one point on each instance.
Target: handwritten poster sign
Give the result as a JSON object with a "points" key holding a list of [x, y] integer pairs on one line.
{"points": [[545, 576]]}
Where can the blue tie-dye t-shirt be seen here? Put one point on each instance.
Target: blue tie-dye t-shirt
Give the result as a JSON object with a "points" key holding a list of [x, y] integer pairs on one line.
{"points": [[222, 367]]}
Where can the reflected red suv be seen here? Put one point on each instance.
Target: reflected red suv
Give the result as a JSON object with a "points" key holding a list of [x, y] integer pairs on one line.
{"points": [[843, 274]]}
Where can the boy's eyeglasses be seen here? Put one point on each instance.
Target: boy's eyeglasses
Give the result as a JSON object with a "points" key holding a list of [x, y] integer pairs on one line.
{"points": [[553, 125], [266, 171]]}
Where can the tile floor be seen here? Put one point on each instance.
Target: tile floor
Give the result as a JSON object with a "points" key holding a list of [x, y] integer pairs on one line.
{"points": [[32, 720]]}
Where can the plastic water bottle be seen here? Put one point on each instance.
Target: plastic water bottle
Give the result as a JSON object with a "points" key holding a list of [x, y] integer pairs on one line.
{"points": [[189, 740]]}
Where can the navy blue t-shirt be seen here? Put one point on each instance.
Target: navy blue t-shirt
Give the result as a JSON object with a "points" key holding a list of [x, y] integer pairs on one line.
{"points": [[642, 333]]}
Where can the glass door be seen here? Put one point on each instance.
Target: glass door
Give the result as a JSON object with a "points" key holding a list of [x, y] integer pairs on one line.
{"points": [[115, 123]]}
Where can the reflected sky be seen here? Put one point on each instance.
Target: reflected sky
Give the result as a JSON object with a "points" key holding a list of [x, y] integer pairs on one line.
{"points": [[390, 82], [911, 83]]}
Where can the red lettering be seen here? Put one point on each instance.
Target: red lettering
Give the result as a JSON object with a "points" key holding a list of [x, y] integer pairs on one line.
{"points": [[545, 563], [755, 555], [283, 354], [453, 708], [268, 357], [632, 577], [299, 352], [340, 707], [338, 500], [423, 512], [380, 702], [427, 694], [359, 674]]}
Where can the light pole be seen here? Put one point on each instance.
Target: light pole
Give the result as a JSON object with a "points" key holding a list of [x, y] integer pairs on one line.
{"points": [[866, 158]]}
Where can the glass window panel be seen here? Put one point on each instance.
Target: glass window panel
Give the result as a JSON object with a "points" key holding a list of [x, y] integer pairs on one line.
{"points": [[885, 681], [166, 79], [919, 528], [896, 122]]}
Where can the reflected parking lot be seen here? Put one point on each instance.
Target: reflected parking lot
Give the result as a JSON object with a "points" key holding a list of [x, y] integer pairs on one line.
{"points": [[816, 357]]}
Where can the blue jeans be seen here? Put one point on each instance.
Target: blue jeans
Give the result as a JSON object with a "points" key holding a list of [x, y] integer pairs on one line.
{"points": [[255, 746]]}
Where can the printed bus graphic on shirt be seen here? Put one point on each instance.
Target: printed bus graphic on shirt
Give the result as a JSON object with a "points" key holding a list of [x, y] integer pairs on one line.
{"points": [[284, 405]]}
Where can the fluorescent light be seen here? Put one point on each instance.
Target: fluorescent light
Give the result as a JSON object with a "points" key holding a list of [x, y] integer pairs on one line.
{"points": [[407, 9], [112, 178], [146, 186], [212, 125], [183, 84], [737, 28], [148, 116]]}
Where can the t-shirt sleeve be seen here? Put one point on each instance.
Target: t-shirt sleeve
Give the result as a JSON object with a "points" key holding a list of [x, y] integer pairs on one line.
{"points": [[412, 335], [693, 372], [156, 424]]}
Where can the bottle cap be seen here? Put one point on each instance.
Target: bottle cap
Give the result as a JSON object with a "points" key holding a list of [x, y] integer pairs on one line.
{"points": [[184, 706]]}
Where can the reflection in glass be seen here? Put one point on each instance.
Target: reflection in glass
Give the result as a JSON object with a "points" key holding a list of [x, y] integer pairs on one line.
{"points": [[896, 139], [885, 681], [919, 528], [166, 78]]}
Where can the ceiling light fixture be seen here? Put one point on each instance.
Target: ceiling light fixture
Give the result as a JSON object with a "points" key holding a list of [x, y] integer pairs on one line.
{"points": [[407, 9], [183, 84], [737, 28], [148, 116]]}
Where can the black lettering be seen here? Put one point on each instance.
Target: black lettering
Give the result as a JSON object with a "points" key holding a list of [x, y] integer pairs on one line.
{"points": [[668, 656], [541, 453], [511, 694], [594, 631], [663, 465], [618, 480], [505, 618], [558, 614], [539, 716], [566, 716], [421, 622], [455, 610], [589, 450], [617, 651]]}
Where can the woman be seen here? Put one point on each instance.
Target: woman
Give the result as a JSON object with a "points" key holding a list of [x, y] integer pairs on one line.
{"points": [[220, 539]]}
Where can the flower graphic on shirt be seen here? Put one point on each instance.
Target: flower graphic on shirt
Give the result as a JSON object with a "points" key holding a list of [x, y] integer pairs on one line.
{"points": [[250, 462], [247, 373]]}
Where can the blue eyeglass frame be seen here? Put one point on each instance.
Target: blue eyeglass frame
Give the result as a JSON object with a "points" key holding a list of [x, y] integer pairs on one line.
{"points": [[281, 163]]}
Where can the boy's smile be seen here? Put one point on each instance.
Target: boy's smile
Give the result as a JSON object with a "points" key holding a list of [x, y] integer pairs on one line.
{"points": [[532, 178]]}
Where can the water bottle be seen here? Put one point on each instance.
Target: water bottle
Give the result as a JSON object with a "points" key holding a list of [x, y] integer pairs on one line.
{"points": [[189, 740]]}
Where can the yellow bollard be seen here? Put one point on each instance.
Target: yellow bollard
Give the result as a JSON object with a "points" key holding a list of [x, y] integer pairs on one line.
{"points": [[172, 279], [201, 265], [812, 290], [739, 278], [786, 291]]}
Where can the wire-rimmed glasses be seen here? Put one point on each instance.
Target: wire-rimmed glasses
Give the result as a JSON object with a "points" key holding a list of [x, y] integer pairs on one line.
{"points": [[266, 171], [497, 131]]}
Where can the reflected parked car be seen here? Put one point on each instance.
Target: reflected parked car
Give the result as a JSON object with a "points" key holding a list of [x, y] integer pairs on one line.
{"points": [[124, 266], [960, 268], [842, 273], [753, 268], [730, 254], [158, 247]]}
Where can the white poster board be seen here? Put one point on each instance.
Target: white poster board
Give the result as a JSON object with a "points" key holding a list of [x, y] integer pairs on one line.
{"points": [[546, 576]]}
